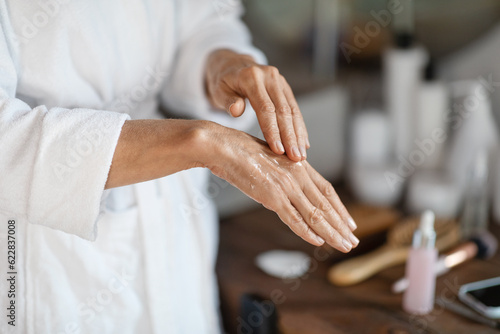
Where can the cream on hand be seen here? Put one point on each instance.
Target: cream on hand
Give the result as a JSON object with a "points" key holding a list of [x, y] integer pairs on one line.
{"points": [[419, 297]]}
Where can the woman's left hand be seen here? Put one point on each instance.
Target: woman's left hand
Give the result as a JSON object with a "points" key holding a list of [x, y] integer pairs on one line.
{"points": [[232, 77]]}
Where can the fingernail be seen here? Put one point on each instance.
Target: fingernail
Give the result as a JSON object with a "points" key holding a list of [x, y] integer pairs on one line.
{"points": [[354, 240], [303, 152], [319, 239], [347, 245], [229, 110], [352, 224], [295, 152], [280, 147]]}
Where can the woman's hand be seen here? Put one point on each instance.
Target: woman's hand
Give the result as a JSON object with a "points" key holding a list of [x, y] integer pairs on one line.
{"points": [[232, 77], [307, 203], [304, 200]]}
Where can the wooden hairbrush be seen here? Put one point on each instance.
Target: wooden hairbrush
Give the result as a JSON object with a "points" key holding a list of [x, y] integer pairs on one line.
{"points": [[393, 252]]}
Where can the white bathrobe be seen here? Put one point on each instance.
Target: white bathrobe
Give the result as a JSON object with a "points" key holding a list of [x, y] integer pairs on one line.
{"points": [[136, 259]]}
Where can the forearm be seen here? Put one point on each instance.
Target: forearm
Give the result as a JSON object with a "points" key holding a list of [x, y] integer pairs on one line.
{"points": [[150, 149]]}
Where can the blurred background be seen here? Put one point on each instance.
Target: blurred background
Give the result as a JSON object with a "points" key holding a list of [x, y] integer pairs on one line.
{"points": [[373, 76], [402, 103]]}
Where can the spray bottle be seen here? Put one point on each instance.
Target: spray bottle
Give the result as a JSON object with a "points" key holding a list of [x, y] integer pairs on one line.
{"points": [[419, 297]]}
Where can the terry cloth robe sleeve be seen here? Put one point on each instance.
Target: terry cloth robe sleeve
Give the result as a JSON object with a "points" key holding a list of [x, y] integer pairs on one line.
{"points": [[54, 162], [203, 27]]}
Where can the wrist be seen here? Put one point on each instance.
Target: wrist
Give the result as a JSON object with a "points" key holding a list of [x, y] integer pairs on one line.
{"points": [[201, 143]]}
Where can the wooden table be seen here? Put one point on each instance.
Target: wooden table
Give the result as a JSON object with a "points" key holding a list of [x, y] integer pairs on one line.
{"points": [[311, 305]]}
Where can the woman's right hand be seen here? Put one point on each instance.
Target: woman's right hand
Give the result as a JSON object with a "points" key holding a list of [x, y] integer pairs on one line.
{"points": [[301, 197]]}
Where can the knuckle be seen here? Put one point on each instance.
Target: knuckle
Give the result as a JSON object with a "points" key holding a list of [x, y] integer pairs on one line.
{"points": [[330, 211], [296, 221], [315, 217], [295, 110], [284, 110], [325, 207], [267, 108], [251, 71], [273, 71], [328, 189]]}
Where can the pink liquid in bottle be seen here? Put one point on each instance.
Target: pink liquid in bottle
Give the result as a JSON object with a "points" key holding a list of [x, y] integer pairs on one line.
{"points": [[419, 297]]}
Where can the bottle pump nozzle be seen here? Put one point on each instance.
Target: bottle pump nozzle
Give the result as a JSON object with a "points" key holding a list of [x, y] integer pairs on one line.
{"points": [[425, 236]]}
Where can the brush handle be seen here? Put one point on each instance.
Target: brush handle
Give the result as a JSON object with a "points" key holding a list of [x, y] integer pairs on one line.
{"points": [[360, 268]]}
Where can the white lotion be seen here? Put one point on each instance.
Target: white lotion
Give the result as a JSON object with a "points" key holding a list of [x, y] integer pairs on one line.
{"points": [[419, 297]]}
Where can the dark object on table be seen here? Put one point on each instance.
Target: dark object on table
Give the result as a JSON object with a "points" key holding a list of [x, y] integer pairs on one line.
{"points": [[258, 316]]}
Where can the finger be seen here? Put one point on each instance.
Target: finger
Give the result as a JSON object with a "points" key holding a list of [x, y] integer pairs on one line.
{"points": [[266, 115], [318, 199], [329, 192], [227, 99], [298, 121], [315, 219], [291, 217], [236, 108], [285, 120], [300, 131]]}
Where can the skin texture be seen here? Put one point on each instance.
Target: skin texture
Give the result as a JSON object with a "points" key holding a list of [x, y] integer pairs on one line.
{"points": [[283, 183]]}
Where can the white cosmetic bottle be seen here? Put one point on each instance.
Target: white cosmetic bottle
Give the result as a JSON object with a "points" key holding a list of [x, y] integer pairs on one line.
{"points": [[402, 69], [402, 66], [419, 297], [431, 108]]}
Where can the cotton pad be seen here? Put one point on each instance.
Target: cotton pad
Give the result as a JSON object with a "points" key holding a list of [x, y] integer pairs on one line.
{"points": [[283, 264]]}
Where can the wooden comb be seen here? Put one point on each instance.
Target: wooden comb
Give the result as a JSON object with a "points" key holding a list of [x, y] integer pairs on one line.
{"points": [[393, 252]]}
